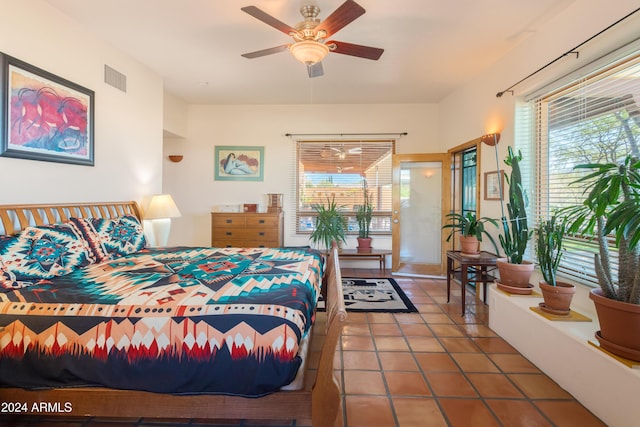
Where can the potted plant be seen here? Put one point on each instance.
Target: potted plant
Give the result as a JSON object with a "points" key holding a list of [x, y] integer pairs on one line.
{"points": [[515, 272], [330, 224], [611, 206], [364, 214], [471, 230], [557, 295]]}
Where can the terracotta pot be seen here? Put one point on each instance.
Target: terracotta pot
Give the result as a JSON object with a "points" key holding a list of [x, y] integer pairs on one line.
{"points": [[557, 299], [517, 275], [469, 245], [619, 325], [364, 244]]}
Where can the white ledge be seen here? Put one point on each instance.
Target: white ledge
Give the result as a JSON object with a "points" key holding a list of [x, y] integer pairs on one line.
{"points": [[604, 385]]}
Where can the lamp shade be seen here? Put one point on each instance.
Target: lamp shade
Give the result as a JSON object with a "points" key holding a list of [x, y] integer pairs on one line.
{"points": [[162, 206], [309, 51]]}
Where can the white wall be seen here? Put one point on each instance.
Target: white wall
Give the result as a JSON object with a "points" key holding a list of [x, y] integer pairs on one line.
{"points": [[196, 192], [128, 126]]}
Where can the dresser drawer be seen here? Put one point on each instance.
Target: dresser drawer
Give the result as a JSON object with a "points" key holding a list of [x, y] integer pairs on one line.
{"points": [[246, 234], [238, 243], [227, 221], [261, 221]]}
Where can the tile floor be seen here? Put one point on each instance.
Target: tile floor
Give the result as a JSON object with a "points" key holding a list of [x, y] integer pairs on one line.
{"points": [[432, 368]]}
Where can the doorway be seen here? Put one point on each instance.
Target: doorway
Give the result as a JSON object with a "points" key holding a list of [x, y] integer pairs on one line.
{"points": [[421, 188]]}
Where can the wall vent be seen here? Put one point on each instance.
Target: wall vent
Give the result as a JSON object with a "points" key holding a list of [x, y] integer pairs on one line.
{"points": [[115, 78]]}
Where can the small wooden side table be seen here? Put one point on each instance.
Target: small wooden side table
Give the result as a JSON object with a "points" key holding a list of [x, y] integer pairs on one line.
{"points": [[379, 254], [484, 260]]}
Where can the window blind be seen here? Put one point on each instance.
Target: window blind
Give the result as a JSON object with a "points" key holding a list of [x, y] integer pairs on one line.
{"points": [[339, 169], [594, 119]]}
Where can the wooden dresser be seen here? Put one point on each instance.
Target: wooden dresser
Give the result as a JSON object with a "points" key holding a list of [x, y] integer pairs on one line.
{"points": [[247, 230]]}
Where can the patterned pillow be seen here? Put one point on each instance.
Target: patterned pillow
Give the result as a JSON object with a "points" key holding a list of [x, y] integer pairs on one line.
{"points": [[111, 238], [39, 253]]}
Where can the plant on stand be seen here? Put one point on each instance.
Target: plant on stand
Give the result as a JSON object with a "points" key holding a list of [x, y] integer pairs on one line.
{"points": [[330, 224], [611, 206], [471, 230], [515, 272], [364, 214], [557, 295]]}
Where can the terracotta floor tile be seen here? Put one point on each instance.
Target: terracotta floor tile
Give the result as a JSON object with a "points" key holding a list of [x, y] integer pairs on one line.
{"points": [[494, 385], [364, 360], [450, 384], [459, 345], [468, 412], [478, 331], [364, 382], [416, 330], [380, 318], [391, 344], [435, 318], [356, 329], [431, 308], [436, 362], [474, 362], [356, 342], [447, 331], [409, 318], [425, 344], [381, 329], [397, 361], [354, 317], [568, 413], [406, 384], [513, 363], [517, 413], [369, 411], [494, 345], [422, 299], [413, 412], [538, 386]]}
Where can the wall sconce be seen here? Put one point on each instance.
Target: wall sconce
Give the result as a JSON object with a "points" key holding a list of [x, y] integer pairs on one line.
{"points": [[175, 158], [160, 211], [491, 139]]}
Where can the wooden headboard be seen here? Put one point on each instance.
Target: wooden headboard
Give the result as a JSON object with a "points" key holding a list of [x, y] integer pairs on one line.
{"points": [[15, 218]]}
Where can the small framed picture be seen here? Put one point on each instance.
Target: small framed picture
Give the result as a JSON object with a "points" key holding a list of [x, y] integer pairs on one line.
{"points": [[43, 116], [239, 163], [494, 185]]}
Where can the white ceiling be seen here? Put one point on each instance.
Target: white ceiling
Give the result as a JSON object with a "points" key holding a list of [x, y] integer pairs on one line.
{"points": [[431, 46]]}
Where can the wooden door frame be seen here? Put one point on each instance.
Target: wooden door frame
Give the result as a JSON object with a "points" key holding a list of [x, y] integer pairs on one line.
{"points": [[445, 158]]}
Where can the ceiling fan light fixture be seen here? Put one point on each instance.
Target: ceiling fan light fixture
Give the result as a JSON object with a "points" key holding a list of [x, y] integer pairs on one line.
{"points": [[309, 52]]}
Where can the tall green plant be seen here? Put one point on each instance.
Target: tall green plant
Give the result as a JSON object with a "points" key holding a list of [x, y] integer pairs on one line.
{"points": [[330, 224], [364, 212], [611, 205], [549, 247], [515, 230]]}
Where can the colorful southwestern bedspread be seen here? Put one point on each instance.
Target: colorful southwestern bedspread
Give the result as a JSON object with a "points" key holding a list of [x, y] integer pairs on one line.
{"points": [[173, 320]]}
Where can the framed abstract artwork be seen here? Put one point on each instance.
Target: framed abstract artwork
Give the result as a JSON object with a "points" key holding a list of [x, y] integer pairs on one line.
{"points": [[239, 163], [44, 117], [494, 185]]}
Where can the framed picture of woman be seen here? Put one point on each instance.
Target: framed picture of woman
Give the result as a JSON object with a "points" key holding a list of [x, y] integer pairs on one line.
{"points": [[239, 163]]}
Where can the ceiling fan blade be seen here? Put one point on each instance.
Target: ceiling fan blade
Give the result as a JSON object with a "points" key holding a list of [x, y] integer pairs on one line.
{"points": [[346, 13], [315, 70], [358, 50], [264, 52], [268, 19]]}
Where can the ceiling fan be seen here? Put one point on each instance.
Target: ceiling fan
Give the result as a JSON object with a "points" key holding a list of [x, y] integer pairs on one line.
{"points": [[310, 45], [342, 154]]}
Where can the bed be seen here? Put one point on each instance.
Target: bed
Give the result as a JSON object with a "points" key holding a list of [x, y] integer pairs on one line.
{"points": [[120, 330]]}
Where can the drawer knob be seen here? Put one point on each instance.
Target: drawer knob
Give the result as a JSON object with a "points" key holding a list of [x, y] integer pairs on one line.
{"points": [[261, 221], [229, 221], [261, 233], [229, 233]]}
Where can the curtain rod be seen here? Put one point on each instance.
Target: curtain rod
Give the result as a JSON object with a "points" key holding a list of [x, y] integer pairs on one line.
{"points": [[347, 134], [569, 52]]}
